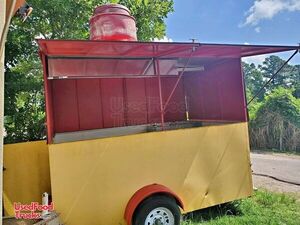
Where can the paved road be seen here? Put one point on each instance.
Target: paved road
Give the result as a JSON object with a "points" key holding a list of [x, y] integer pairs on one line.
{"points": [[283, 167]]}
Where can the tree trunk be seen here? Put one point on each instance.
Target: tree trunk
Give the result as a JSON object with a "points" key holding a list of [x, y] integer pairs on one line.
{"points": [[281, 136]]}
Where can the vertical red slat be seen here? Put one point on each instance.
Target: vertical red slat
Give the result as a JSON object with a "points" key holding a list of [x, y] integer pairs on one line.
{"points": [[175, 110], [66, 116], [113, 102], [152, 100], [89, 104], [136, 101]]}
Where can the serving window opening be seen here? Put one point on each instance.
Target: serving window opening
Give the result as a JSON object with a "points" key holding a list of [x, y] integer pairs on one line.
{"points": [[98, 89], [94, 97]]}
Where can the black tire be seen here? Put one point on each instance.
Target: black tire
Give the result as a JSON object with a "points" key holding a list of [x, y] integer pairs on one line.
{"points": [[154, 202]]}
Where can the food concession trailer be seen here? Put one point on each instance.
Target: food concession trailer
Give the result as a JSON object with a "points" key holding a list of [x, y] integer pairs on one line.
{"points": [[139, 132]]}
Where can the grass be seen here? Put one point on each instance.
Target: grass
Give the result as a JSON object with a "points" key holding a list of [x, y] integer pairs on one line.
{"points": [[263, 208]]}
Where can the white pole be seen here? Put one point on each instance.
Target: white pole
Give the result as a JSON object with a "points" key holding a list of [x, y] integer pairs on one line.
{"points": [[45, 202], [2, 23]]}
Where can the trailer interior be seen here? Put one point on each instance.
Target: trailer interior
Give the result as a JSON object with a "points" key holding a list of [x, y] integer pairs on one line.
{"points": [[97, 89]]}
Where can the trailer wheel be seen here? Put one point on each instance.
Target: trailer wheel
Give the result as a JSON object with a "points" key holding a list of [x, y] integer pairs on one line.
{"points": [[157, 210]]}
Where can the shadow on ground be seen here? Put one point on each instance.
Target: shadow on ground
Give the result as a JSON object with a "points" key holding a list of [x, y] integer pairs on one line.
{"points": [[202, 215]]}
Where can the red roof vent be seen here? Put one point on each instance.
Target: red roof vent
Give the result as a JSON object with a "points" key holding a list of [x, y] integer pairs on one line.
{"points": [[112, 22]]}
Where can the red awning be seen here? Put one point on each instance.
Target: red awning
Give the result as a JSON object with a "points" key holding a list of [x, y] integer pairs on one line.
{"points": [[84, 48], [83, 58]]}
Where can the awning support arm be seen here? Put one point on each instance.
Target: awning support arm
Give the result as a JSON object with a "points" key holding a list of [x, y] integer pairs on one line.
{"points": [[179, 78], [157, 72], [272, 78], [148, 66]]}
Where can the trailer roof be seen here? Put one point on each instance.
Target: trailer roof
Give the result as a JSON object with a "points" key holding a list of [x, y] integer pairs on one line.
{"points": [[121, 49]]}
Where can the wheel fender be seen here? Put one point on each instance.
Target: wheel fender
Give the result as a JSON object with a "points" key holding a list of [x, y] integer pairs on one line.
{"points": [[142, 194]]}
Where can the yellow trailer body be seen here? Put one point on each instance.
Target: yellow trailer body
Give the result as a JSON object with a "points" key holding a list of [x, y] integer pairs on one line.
{"points": [[26, 174], [115, 117], [93, 180]]}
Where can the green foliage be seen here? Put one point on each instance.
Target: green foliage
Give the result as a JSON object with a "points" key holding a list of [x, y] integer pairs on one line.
{"points": [[253, 108], [296, 81], [275, 122], [56, 19], [275, 113], [24, 103], [150, 16], [67, 19], [256, 76], [280, 101], [253, 79], [262, 208], [283, 78], [296, 91]]}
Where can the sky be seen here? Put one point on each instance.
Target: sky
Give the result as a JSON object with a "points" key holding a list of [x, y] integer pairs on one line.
{"points": [[274, 22]]}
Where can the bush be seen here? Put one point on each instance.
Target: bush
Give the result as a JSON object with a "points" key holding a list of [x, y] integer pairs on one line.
{"points": [[276, 121]]}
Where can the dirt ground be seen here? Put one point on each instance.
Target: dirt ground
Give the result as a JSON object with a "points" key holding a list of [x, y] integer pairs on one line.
{"points": [[285, 168], [13, 221]]}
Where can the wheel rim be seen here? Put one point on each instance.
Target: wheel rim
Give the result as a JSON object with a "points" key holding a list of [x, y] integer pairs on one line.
{"points": [[160, 216]]}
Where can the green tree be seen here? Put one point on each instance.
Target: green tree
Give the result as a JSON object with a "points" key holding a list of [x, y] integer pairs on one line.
{"points": [[150, 16], [281, 101], [24, 103], [254, 80], [296, 81], [275, 113], [284, 78], [277, 121], [57, 19]]}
